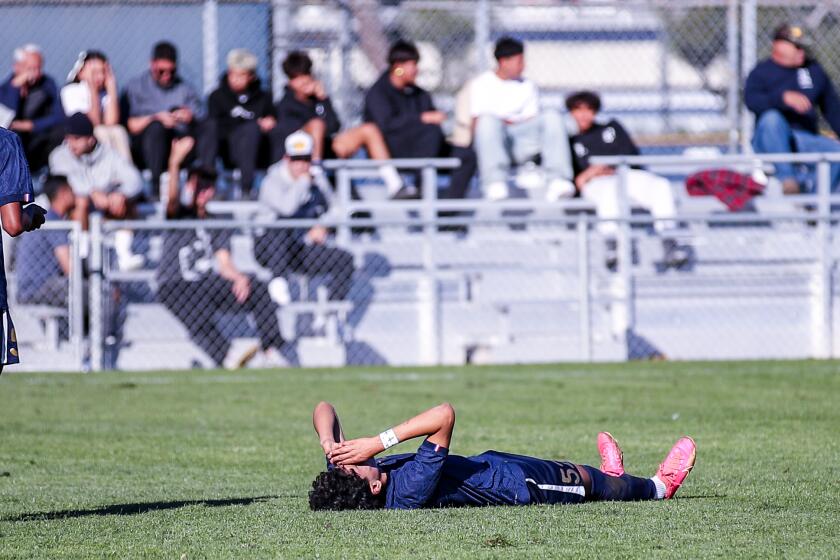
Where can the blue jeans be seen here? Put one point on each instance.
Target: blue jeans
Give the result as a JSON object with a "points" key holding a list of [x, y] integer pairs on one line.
{"points": [[500, 145], [773, 135]]}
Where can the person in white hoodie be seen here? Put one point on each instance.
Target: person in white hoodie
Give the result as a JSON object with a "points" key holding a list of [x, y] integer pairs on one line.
{"points": [[102, 179], [510, 128], [290, 190]]}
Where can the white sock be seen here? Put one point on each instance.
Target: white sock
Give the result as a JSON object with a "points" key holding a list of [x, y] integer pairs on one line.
{"points": [[391, 178], [660, 487], [123, 239]]}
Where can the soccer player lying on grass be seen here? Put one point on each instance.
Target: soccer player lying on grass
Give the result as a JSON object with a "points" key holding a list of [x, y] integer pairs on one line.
{"points": [[434, 478], [15, 191]]}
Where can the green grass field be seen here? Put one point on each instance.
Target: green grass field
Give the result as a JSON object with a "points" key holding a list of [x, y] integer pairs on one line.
{"points": [[218, 465]]}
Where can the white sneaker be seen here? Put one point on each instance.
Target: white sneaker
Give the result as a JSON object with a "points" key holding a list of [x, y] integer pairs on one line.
{"points": [[496, 191], [130, 262], [126, 260], [278, 291], [559, 188], [530, 177], [271, 358], [239, 355], [391, 178]]}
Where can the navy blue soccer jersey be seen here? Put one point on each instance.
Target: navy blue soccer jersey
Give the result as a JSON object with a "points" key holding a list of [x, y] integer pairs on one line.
{"points": [[433, 478], [15, 186]]}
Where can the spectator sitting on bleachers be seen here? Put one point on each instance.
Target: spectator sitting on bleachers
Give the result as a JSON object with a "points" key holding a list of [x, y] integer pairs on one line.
{"points": [[42, 260], [784, 92], [159, 106], [510, 129], [306, 106], [102, 180], [30, 106], [93, 79], [291, 191], [406, 115], [197, 276], [600, 183], [240, 118]]}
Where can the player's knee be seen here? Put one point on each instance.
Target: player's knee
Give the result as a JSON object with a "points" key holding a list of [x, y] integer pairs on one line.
{"points": [[315, 127]]}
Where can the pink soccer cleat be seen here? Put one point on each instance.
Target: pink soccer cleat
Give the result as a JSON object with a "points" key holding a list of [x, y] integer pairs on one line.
{"points": [[612, 459], [677, 464]]}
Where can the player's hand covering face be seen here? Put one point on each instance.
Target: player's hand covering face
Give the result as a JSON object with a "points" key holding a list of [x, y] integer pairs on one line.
{"points": [[355, 451]]}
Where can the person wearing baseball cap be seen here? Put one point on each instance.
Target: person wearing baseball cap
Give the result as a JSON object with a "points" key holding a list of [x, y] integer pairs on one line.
{"points": [[786, 92], [240, 117], [291, 190]]}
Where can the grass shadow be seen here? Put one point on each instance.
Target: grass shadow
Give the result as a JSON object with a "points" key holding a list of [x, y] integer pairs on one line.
{"points": [[136, 508]]}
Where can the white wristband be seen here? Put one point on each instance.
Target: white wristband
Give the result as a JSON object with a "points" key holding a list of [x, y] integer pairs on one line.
{"points": [[388, 438]]}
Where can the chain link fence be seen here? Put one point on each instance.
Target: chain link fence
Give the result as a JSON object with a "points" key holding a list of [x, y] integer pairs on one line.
{"points": [[517, 288], [524, 283], [48, 304], [672, 70]]}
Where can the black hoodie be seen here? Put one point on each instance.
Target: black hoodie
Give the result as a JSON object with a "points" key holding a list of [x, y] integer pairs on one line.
{"points": [[293, 114], [232, 109]]}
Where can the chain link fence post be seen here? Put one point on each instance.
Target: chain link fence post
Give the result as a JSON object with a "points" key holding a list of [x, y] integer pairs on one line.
{"points": [[584, 289], [748, 59], [733, 100], [77, 299], [97, 311], [210, 44], [824, 323]]}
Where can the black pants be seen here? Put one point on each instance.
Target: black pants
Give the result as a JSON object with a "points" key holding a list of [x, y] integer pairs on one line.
{"points": [[427, 141], [196, 303], [245, 146], [281, 252], [150, 150]]}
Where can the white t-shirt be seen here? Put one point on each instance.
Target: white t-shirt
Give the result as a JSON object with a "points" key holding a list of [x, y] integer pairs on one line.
{"points": [[511, 100], [75, 98]]}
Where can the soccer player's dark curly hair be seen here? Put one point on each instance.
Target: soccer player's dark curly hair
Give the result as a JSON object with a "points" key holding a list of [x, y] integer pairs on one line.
{"points": [[337, 490]]}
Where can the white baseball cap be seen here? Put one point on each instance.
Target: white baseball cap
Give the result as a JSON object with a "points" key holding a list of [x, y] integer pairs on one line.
{"points": [[299, 145]]}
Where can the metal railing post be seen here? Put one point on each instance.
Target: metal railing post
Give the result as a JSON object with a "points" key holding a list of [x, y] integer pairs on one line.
{"points": [[625, 255], [76, 303], [210, 45], [482, 35], [281, 30], [825, 320], [97, 318], [428, 185], [343, 189], [733, 100], [584, 288], [748, 57]]}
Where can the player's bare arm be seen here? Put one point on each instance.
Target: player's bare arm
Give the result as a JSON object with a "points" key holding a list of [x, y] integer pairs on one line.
{"points": [[437, 423], [327, 426]]}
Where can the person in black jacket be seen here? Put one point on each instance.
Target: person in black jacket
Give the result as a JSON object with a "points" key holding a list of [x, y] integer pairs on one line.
{"points": [[406, 115], [784, 92], [600, 183], [240, 118], [305, 106]]}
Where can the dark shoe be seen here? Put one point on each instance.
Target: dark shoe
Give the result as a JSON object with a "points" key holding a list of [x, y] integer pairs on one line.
{"points": [[675, 255]]}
